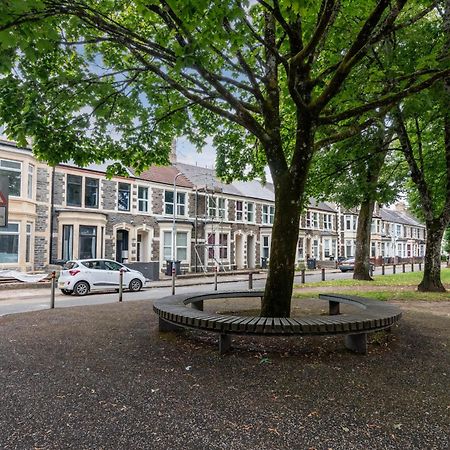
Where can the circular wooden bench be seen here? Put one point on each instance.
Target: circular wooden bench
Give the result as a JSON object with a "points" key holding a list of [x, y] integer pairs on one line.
{"points": [[186, 311]]}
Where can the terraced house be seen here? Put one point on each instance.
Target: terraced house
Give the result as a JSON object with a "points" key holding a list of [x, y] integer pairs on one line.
{"points": [[179, 211]]}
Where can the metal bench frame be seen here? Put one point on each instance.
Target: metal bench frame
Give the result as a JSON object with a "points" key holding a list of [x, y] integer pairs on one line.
{"points": [[186, 311]]}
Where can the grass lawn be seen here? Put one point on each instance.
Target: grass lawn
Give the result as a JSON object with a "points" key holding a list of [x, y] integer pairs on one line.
{"points": [[401, 286]]}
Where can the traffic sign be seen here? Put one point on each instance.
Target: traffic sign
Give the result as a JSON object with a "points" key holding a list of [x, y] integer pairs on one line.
{"points": [[4, 191]]}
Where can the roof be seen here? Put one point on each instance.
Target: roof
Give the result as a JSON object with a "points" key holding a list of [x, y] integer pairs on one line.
{"points": [[391, 215], [165, 175]]}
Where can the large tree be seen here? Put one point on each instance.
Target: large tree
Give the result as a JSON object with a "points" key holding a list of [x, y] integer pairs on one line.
{"points": [[271, 80], [423, 128], [358, 173]]}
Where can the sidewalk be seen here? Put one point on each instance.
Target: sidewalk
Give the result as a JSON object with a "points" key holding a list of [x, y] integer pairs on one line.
{"points": [[28, 290]]}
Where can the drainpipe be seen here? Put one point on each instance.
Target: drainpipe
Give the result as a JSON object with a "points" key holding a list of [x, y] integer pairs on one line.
{"points": [[196, 228]]}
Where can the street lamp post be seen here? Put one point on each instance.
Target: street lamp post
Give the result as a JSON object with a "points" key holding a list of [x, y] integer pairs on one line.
{"points": [[174, 230]]}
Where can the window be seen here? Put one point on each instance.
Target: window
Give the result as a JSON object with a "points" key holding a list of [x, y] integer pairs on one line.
{"points": [[91, 193], [351, 222], [74, 190], [181, 246], [181, 203], [398, 230], [211, 243], [326, 248], [265, 247], [9, 243], [88, 242], [67, 247], [30, 181], [143, 199], [222, 207], [223, 245], [28, 243], [315, 220], [348, 249], [239, 210], [300, 248], [268, 213], [373, 250], [216, 207], [327, 222], [123, 202], [315, 249], [13, 170], [113, 265], [250, 212], [308, 219]]}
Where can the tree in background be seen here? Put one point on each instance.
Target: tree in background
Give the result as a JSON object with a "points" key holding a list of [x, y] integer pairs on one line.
{"points": [[273, 81], [423, 128], [358, 173]]}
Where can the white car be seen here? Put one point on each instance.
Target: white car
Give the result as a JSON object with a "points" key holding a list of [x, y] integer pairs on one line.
{"points": [[82, 276]]}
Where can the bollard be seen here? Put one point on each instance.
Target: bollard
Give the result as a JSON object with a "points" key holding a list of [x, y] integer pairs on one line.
{"points": [[215, 278], [412, 267], [303, 276], [403, 267], [173, 278], [52, 293], [250, 280], [420, 267], [382, 269], [120, 284], [323, 274], [394, 268]]}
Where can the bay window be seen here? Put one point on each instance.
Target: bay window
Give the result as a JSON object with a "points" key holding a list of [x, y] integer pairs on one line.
{"points": [[9, 243], [13, 170]]}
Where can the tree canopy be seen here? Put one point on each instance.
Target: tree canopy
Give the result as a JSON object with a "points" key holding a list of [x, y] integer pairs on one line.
{"points": [[272, 81]]}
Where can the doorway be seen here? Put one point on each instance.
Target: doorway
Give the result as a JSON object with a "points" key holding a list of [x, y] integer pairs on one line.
{"points": [[122, 246], [239, 251]]}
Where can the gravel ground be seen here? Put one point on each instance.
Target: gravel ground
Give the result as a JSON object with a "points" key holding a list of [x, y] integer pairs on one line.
{"points": [[103, 377]]}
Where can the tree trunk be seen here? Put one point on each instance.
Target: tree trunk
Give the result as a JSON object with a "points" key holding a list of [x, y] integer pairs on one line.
{"points": [[283, 249], [431, 281], [362, 254]]}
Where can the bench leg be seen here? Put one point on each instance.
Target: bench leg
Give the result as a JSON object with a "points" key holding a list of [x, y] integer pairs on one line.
{"points": [[334, 308], [224, 343], [356, 342], [197, 305], [168, 326]]}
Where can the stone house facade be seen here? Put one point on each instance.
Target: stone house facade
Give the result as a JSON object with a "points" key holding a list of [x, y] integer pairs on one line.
{"points": [[69, 212]]}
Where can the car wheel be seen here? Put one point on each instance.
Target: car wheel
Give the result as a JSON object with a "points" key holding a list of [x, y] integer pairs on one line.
{"points": [[66, 292], [135, 285], [81, 288]]}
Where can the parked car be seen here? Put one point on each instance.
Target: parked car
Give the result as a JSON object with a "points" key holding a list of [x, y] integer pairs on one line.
{"points": [[348, 264], [82, 276]]}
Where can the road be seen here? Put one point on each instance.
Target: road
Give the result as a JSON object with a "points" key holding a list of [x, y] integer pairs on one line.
{"points": [[16, 301]]}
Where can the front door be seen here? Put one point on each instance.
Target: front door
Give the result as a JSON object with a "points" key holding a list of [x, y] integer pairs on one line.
{"points": [[121, 245]]}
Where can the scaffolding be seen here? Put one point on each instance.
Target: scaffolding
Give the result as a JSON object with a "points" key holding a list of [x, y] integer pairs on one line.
{"points": [[212, 220]]}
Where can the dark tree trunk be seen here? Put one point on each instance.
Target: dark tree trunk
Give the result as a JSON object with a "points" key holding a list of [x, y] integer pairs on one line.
{"points": [[280, 280], [362, 254], [431, 281]]}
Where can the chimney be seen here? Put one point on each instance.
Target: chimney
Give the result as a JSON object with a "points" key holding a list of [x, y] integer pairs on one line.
{"points": [[401, 207], [173, 152]]}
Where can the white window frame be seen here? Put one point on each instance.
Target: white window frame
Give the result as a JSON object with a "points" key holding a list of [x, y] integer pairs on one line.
{"points": [[168, 255], [268, 214], [265, 249], [16, 170], [3, 232], [143, 201], [30, 179], [251, 213], [181, 204], [239, 211]]}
